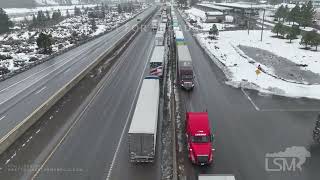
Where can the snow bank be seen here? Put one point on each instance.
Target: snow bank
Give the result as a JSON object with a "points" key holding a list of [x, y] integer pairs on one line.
{"points": [[241, 71]]}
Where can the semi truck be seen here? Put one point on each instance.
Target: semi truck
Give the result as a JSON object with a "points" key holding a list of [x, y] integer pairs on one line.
{"points": [[199, 138], [179, 38], [159, 38], [216, 177], [162, 27], [157, 61], [154, 24], [142, 134], [185, 69]]}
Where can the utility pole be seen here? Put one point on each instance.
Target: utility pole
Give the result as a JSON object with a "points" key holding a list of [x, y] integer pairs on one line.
{"points": [[249, 18], [264, 11]]}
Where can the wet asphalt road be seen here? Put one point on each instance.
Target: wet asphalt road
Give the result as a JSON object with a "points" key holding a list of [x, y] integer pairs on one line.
{"points": [[89, 142], [25, 92], [248, 125]]}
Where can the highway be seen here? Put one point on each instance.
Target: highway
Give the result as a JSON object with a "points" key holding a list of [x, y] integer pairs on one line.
{"points": [[247, 125], [25, 92], [90, 143]]}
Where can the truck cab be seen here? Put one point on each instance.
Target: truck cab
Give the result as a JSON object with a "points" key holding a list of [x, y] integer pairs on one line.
{"points": [[199, 138]]}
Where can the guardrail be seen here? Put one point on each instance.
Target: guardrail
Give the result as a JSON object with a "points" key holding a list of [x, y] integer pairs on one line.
{"points": [[23, 126]]}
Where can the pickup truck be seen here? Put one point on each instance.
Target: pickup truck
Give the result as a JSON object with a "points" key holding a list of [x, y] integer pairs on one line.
{"points": [[199, 138]]}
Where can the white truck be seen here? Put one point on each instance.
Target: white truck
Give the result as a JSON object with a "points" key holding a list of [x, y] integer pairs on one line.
{"points": [[157, 61], [215, 177], [162, 27], [142, 134], [159, 38], [154, 25]]}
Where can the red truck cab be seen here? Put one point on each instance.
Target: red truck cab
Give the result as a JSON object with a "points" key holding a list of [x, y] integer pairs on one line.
{"points": [[199, 138]]}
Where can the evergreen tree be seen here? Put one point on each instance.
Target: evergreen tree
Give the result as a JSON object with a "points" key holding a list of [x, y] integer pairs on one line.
{"points": [[301, 18], [279, 13], [5, 22], [293, 32], [307, 38], [119, 8], [34, 20], [93, 24], [41, 19], [68, 14], [214, 30], [47, 15], [277, 28], [308, 14], [286, 12], [44, 42], [315, 41], [294, 14], [77, 11]]}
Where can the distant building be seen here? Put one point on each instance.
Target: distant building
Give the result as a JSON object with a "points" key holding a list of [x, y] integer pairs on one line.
{"points": [[316, 3], [215, 17]]}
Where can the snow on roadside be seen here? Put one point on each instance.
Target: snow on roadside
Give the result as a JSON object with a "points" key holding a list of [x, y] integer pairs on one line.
{"points": [[19, 48], [241, 72]]}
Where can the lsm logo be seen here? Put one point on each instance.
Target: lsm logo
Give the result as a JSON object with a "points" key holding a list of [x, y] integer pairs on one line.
{"points": [[290, 160]]}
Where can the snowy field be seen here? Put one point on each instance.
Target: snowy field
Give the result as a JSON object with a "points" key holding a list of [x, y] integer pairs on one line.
{"points": [[241, 69], [19, 48]]}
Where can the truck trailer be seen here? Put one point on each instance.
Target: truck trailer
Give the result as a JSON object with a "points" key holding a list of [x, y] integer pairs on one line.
{"points": [[199, 138], [142, 134], [157, 61], [216, 177], [185, 69], [159, 38]]}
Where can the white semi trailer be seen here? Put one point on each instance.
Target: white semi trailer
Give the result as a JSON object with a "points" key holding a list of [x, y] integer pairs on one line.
{"points": [[142, 134]]}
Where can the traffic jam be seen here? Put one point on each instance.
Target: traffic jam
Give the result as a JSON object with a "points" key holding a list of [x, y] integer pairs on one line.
{"points": [[142, 141]]}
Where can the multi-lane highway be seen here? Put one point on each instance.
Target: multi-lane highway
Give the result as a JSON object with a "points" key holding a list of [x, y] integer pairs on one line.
{"points": [[24, 93], [248, 125], [91, 142]]}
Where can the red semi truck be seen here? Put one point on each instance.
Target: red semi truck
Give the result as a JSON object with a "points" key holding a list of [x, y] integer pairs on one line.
{"points": [[199, 137]]}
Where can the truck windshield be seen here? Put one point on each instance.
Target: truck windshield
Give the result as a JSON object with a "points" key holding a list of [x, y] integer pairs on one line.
{"points": [[200, 139]]}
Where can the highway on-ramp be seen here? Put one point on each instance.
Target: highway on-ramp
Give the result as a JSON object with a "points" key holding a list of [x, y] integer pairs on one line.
{"points": [[247, 125]]}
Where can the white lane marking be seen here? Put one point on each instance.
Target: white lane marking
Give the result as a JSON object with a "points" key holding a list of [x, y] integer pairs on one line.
{"points": [[37, 79], [290, 110], [39, 91], [2, 117], [67, 70], [79, 117], [127, 120], [249, 98], [18, 82]]}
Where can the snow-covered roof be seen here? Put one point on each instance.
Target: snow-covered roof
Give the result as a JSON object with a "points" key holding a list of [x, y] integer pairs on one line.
{"points": [[158, 54], [242, 5], [214, 13], [221, 8], [145, 116]]}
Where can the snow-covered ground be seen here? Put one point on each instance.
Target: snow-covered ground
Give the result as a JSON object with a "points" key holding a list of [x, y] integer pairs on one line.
{"points": [[18, 14], [241, 69], [19, 48]]}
